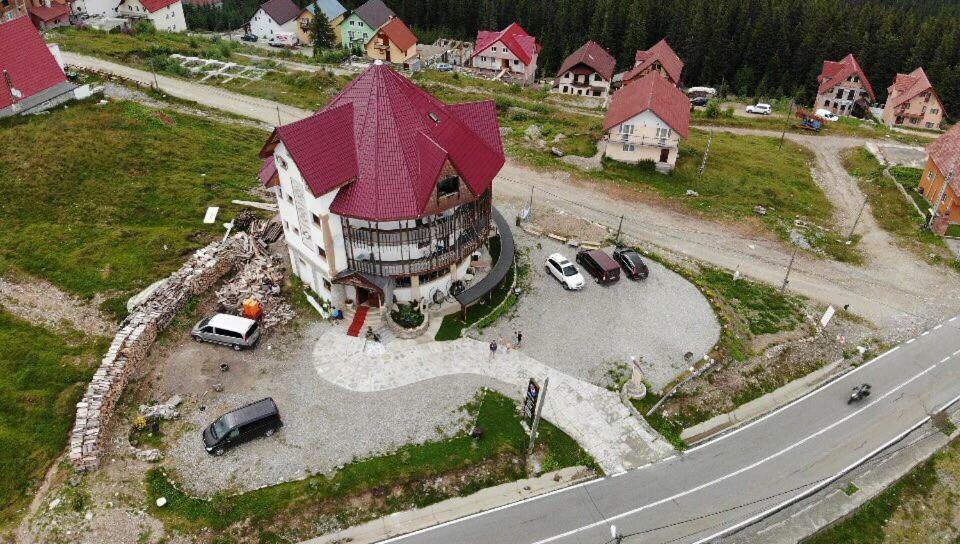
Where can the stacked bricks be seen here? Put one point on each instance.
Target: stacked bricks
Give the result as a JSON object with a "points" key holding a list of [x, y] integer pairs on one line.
{"points": [[134, 339]]}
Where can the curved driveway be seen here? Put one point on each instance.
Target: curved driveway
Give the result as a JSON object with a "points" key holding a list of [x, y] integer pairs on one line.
{"points": [[716, 487]]}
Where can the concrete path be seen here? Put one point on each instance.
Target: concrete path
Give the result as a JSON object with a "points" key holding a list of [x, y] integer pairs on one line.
{"points": [[593, 416]]}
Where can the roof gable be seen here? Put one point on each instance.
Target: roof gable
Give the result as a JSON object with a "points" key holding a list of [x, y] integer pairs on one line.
{"points": [[322, 147], [594, 56], [51, 13], [909, 86], [514, 37], [654, 93], [281, 11], [399, 34], [27, 60], [945, 153], [374, 13], [331, 8], [153, 6], [834, 73], [664, 54]]}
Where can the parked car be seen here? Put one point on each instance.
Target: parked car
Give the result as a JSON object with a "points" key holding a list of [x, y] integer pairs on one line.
{"points": [[760, 109], [564, 271], [631, 262], [699, 101], [827, 115], [283, 39], [599, 265], [228, 330], [444, 67], [260, 418], [252, 38]]}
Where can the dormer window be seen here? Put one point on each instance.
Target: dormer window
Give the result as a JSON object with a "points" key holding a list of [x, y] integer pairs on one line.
{"points": [[281, 163], [434, 117], [448, 186]]}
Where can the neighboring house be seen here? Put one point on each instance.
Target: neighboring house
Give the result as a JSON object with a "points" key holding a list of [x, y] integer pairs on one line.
{"points": [[358, 28], [334, 11], [645, 122], [844, 88], [32, 79], [661, 58], [385, 194], [511, 51], [941, 179], [166, 15], [587, 72], [275, 17], [10, 9], [912, 102], [47, 17], [393, 43]]}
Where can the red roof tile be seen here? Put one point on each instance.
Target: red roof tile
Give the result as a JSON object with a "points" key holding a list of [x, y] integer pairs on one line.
{"points": [[945, 153], [593, 55], [399, 34], [909, 86], [662, 53], [384, 141], [834, 73], [651, 92], [52, 13], [514, 37], [154, 6], [27, 60]]}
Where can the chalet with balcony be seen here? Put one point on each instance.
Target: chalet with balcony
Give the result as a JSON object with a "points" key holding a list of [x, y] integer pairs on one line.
{"points": [[385, 193], [645, 122], [393, 43], [165, 15], [844, 88], [587, 72], [331, 9], [359, 27], [661, 58], [510, 53], [940, 182], [274, 17], [912, 102]]}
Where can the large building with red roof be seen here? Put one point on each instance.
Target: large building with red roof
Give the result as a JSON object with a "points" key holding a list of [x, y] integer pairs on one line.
{"points": [[587, 72], [165, 15], [510, 52], [661, 58], [386, 193], [843, 88], [645, 122], [31, 79], [913, 102], [941, 179]]}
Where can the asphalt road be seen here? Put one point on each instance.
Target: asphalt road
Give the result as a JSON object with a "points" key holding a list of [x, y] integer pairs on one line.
{"points": [[714, 488]]}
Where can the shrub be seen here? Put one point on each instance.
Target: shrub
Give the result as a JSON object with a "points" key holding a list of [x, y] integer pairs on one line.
{"points": [[144, 27], [647, 165], [407, 316], [713, 109]]}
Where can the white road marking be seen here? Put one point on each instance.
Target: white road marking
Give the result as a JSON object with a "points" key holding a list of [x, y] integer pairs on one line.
{"points": [[804, 510], [945, 359], [955, 353], [925, 333], [952, 319], [938, 327], [617, 475], [912, 340]]}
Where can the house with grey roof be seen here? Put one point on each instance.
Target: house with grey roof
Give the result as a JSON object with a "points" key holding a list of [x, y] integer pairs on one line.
{"points": [[334, 12], [360, 26]]}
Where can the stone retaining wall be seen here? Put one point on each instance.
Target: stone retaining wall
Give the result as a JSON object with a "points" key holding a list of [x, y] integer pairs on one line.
{"points": [[133, 341]]}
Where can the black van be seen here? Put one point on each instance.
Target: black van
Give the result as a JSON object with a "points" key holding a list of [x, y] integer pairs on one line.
{"points": [[599, 265], [261, 418]]}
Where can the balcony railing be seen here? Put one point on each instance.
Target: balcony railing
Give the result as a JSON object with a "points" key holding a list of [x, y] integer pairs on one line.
{"points": [[641, 140]]}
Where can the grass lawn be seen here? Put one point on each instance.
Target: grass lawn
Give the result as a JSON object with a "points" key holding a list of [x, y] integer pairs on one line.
{"points": [[893, 212], [42, 375], [107, 199], [370, 488]]}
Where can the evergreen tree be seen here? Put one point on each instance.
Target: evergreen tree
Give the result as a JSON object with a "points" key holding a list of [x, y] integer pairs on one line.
{"points": [[321, 32]]}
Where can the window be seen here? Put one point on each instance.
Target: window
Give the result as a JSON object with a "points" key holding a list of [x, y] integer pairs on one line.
{"points": [[663, 133], [286, 226], [326, 285], [448, 186], [626, 129], [289, 199], [930, 175], [321, 252], [629, 147], [317, 222], [934, 111], [281, 163], [494, 49], [403, 282], [296, 231], [929, 125]]}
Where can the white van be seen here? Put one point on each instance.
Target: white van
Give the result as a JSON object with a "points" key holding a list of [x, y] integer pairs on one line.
{"points": [[228, 330], [283, 39]]}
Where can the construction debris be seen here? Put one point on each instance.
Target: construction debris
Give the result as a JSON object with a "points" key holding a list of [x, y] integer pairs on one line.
{"points": [[151, 456], [260, 278]]}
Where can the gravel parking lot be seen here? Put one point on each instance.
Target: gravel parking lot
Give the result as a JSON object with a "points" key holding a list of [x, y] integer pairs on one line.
{"points": [[588, 332], [324, 425]]}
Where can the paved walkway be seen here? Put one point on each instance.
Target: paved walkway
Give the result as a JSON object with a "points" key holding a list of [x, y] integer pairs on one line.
{"points": [[593, 416]]}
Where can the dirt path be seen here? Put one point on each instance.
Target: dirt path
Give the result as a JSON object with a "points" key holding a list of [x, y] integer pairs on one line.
{"points": [[43, 304]]}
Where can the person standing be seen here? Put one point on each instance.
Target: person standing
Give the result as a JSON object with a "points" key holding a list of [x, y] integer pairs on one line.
{"points": [[493, 348], [519, 338]]}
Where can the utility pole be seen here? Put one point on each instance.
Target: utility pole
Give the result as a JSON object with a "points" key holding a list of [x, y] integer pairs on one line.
{"points": [[786, 123], [619, 230], [706, 153], [541, 398], [786, 278], [941, 195], [153, 70], [857, 220], [279, 122]]}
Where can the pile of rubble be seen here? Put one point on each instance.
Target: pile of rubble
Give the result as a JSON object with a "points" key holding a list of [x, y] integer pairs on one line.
{"points": [[260, 278]]}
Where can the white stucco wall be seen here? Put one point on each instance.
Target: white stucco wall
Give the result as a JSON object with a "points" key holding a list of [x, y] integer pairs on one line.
{"points": [[95, 7], [264, 27], [645, 139], [582, 85], [493, 56]]}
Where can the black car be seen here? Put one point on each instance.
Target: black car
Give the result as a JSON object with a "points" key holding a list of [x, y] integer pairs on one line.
{"points": [[699, 101], [261, 418], [249, 38], [631, 263]]}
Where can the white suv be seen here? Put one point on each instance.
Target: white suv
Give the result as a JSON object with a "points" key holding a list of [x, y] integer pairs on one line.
{"points": [[564, 271], [761, 108]]}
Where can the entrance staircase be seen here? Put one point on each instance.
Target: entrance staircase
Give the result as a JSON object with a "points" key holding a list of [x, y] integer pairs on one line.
{"points": [[358, 320]]}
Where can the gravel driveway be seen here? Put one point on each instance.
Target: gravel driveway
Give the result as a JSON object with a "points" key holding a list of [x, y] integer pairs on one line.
{"points": [[586, 333]]}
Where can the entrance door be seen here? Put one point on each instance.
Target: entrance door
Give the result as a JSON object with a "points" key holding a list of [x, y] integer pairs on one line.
{"points": [[664, 155], [363, 295]]}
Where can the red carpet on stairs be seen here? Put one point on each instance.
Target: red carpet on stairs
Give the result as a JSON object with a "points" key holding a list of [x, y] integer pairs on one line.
{"points": [[358, 320]]}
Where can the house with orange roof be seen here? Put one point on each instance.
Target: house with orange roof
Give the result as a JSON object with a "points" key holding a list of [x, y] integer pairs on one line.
{"points": [[940, 183], [843, 88], [661, 58], [511, 53], [393, 42], [645, 122], [913, 102], [587, 72]]}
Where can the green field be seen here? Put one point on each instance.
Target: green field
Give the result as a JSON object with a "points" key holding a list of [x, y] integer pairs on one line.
{"points": [[42, 374], [107, 199]]}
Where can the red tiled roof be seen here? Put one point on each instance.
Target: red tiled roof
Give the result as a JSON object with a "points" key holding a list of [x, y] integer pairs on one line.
{"points": [[27, 60], [945, 153], [52, 13], [281, 11], [651, 92], [383, 141], [268, 170], [514, 37], [661, 52], [154, 6], [834, 73], [399, 34], [593, 55], [909, 86]]}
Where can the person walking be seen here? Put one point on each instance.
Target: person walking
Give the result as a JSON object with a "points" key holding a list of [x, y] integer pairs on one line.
{"points": [[493, 348], [519, 338]]}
